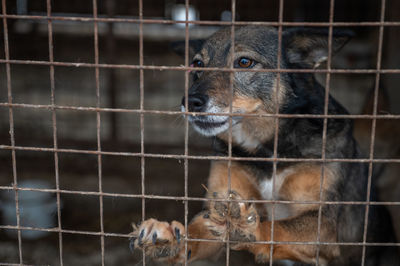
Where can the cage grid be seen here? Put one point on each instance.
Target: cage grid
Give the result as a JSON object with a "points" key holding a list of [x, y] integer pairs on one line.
{"points": [[143, 155]]}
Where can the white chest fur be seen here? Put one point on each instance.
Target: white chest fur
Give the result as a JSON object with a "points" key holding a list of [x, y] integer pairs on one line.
{"points": [[270, 191], [244, 140]]}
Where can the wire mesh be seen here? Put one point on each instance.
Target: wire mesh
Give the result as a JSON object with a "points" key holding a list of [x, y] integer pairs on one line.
{"points": [[143, 155]]}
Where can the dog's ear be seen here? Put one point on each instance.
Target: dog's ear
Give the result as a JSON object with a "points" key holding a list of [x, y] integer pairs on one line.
{"points": [[309, 46], [194, 47]]}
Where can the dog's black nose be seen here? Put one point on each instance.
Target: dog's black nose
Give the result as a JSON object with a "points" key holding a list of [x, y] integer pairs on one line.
{"points": [[196, 102]]}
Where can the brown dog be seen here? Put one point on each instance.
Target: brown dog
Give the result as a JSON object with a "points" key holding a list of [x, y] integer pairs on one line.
{"points": [[260, 93]]}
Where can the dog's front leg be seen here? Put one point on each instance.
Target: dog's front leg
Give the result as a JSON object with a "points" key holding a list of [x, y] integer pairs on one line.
{"points": [[164, 241], [246, 228]]}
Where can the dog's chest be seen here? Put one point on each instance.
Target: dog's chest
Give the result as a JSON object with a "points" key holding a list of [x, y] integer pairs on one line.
{"points": [[269, 190], [244, 140]]}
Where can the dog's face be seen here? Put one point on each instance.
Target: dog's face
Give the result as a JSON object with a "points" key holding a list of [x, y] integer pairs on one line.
{"points": [[247, 92]]}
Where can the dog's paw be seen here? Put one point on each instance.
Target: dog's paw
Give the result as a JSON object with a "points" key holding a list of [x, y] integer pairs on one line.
{"points": [[160, 240], [240, 219]]}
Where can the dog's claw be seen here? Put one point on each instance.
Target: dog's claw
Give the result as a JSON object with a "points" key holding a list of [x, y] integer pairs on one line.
{"points": [[141, 237], [178, 235], [154, 238], [132, 243], [159, 240]]}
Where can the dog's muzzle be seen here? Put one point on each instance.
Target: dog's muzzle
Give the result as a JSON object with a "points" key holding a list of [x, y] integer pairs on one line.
{"points": [[208, 125]]}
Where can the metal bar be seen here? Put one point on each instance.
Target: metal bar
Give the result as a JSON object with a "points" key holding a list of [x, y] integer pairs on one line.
{"points": [[11, 122], [194, 157], [112, 80], [95, 233], [98, 129], [142, 151], [231, 92], [325, 124], [186, 143], [154, 112], [276, 125], [16, 264], [184, 68], [205, 22], [177, 198], [373, 129], [54, 125]]}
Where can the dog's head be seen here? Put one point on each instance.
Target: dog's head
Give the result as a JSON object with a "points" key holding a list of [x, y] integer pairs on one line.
{"points": [[249, 91]]}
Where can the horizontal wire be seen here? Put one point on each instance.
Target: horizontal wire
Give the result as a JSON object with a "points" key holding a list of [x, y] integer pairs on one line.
{"points": [[162, 112], [204, 22], [184, 68], [197, 157], [16, 264], [94, 233], [183, 198]]}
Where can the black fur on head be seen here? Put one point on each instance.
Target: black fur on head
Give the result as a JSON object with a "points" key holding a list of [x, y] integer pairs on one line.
{"points": [[308, 47]]}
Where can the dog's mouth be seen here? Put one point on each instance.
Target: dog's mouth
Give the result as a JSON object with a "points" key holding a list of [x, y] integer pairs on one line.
{"points": [[206, 126], [209, 125]]}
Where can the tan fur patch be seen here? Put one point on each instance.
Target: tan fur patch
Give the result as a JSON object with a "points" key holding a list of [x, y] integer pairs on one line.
{"points": [[279, 93], [252, 131], [205, 56], [246, 104], [301, 183], [241, 180], [304, 184]]}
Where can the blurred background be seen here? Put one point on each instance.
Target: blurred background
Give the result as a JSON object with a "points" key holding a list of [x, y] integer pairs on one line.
{"points": [[163, 134]]}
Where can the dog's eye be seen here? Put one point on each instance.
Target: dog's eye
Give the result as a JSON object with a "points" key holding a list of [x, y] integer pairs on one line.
{"points": [[198, 63], [245, 62]]}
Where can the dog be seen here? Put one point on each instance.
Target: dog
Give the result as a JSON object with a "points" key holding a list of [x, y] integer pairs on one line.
{"points": [[259, 94]]}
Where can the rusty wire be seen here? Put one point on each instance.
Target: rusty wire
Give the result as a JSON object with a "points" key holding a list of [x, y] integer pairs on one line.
{"points": [[141, 106], [54, 125], [195, 157], [95, 19], [204, 22], [11, 120], [184, 68], [325, 124], [276, 126], [373, 129], [98, 127], [186, 161]]}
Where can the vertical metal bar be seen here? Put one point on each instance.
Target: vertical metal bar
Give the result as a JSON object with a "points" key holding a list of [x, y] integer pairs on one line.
{"points": [[112, 79], [54, 123], [11, 119], [231, 92], [325, 124], [141, 79], [276, 133], [186, 162], [373, 127], [98, 124]]}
